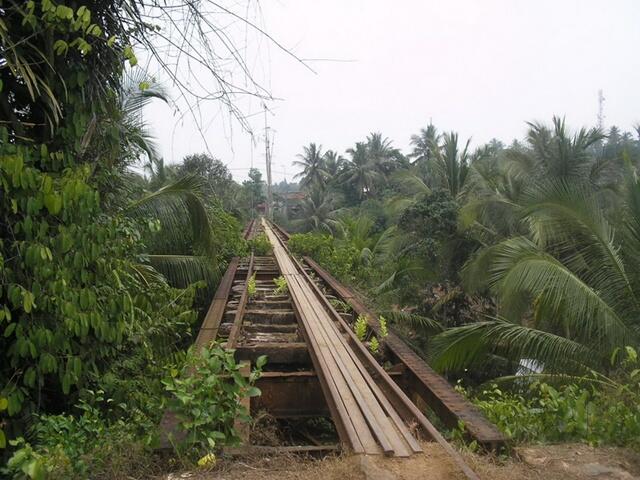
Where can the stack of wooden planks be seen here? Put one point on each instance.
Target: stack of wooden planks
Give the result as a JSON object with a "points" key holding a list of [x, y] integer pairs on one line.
{"points": [[362, 413]]}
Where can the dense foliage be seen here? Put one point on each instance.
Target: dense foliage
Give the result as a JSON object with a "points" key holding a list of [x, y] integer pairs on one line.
{"points": [[101, 269], [502, 261]]}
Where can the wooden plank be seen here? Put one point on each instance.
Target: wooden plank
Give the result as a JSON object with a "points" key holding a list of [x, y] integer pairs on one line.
{"points": [[340, 407], [211, 323], [287, 449], [339, 412], [281, 353], [435, 390], [232, 340], [335, 351], [355, 415], [397, 422], [394, 390], [377, 421]]}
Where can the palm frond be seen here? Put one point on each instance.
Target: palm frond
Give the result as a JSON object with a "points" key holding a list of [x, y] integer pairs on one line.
{"points": [[426, 324], [470, 345], [520, 267], [178, 205], [184, 270]]}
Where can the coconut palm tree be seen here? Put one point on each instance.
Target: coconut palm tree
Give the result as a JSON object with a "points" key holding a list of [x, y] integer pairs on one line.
{"points": [[136, 92], [450, 164], [318, 212], [553, 152], [360, 173], [497, 183], [568, 281], [186, 251], [333, 163], [313, 174], [381, 154], [424, 145]]}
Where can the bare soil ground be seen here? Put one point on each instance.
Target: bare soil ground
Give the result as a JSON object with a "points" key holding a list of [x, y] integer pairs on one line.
{"points": [[549, 462]]}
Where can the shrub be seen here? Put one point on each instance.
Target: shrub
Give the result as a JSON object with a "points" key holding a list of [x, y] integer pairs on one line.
{"points": [[340, 306], [78, 447], [260, 245], [384, 331], [374, 345], [545, 413], [343, 261], [206, 398]]}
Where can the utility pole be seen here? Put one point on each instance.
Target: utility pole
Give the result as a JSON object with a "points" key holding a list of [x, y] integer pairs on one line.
{"points": [[601, 100], [267, 141]]}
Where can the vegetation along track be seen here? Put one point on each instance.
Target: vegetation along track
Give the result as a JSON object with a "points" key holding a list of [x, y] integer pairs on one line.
{"points": [[318, 367]]}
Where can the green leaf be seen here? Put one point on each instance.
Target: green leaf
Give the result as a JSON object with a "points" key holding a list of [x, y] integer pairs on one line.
{"points": [[28, 301], [8, 331], [261, 361], [34, 469], [60, 47], [53, 203], [253, 392], [3, 439]]}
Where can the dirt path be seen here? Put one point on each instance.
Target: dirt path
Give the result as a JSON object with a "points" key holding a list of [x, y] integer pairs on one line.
{"points": [[556, 462]]}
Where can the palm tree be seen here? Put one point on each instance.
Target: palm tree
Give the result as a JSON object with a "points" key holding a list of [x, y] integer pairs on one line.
{"points": [[136, 92], [313, 174], [333, 163], [555, 153], [497, 183], [358, 232], [360, 173], [451, 165], [381, 154], [568, 280], [185, 251], [317, 212], [424, 145]]}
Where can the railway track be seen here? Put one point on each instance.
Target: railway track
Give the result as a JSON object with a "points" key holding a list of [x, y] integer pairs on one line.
{"points": [[317, 367]]}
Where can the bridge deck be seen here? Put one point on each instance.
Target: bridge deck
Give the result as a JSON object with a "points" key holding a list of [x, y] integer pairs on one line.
{"points": [[366, 417]]}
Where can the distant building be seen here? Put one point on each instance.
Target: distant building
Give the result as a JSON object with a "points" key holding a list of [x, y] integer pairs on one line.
{"points": [[289, 202]]}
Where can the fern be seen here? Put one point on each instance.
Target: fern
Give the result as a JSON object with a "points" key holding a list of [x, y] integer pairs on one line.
{"points": [[360, 327], [383, 331], [374, 345], [251, 286], [281, 285]]}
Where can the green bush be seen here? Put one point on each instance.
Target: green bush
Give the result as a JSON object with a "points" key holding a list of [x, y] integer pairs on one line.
{"points": [[79, 447], [315, 245], [546, 414], [343, 261], [206, 399], [260, 245]]}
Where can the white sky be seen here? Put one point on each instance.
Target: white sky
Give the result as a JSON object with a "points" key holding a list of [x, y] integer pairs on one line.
{"points": [[481, 68]]}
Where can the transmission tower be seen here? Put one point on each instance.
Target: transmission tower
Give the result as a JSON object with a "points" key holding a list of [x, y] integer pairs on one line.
{"points": [[601, 100], [267, 146]]}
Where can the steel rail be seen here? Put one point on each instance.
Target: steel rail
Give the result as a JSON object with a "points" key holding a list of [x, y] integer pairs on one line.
{"points": [[232, 339]]}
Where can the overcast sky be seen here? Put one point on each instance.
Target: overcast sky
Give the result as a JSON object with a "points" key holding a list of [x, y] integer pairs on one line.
{"points": [[481, 68]]}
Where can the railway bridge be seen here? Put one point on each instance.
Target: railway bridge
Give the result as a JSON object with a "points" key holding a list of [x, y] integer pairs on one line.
{"points": [[318, 368]]}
